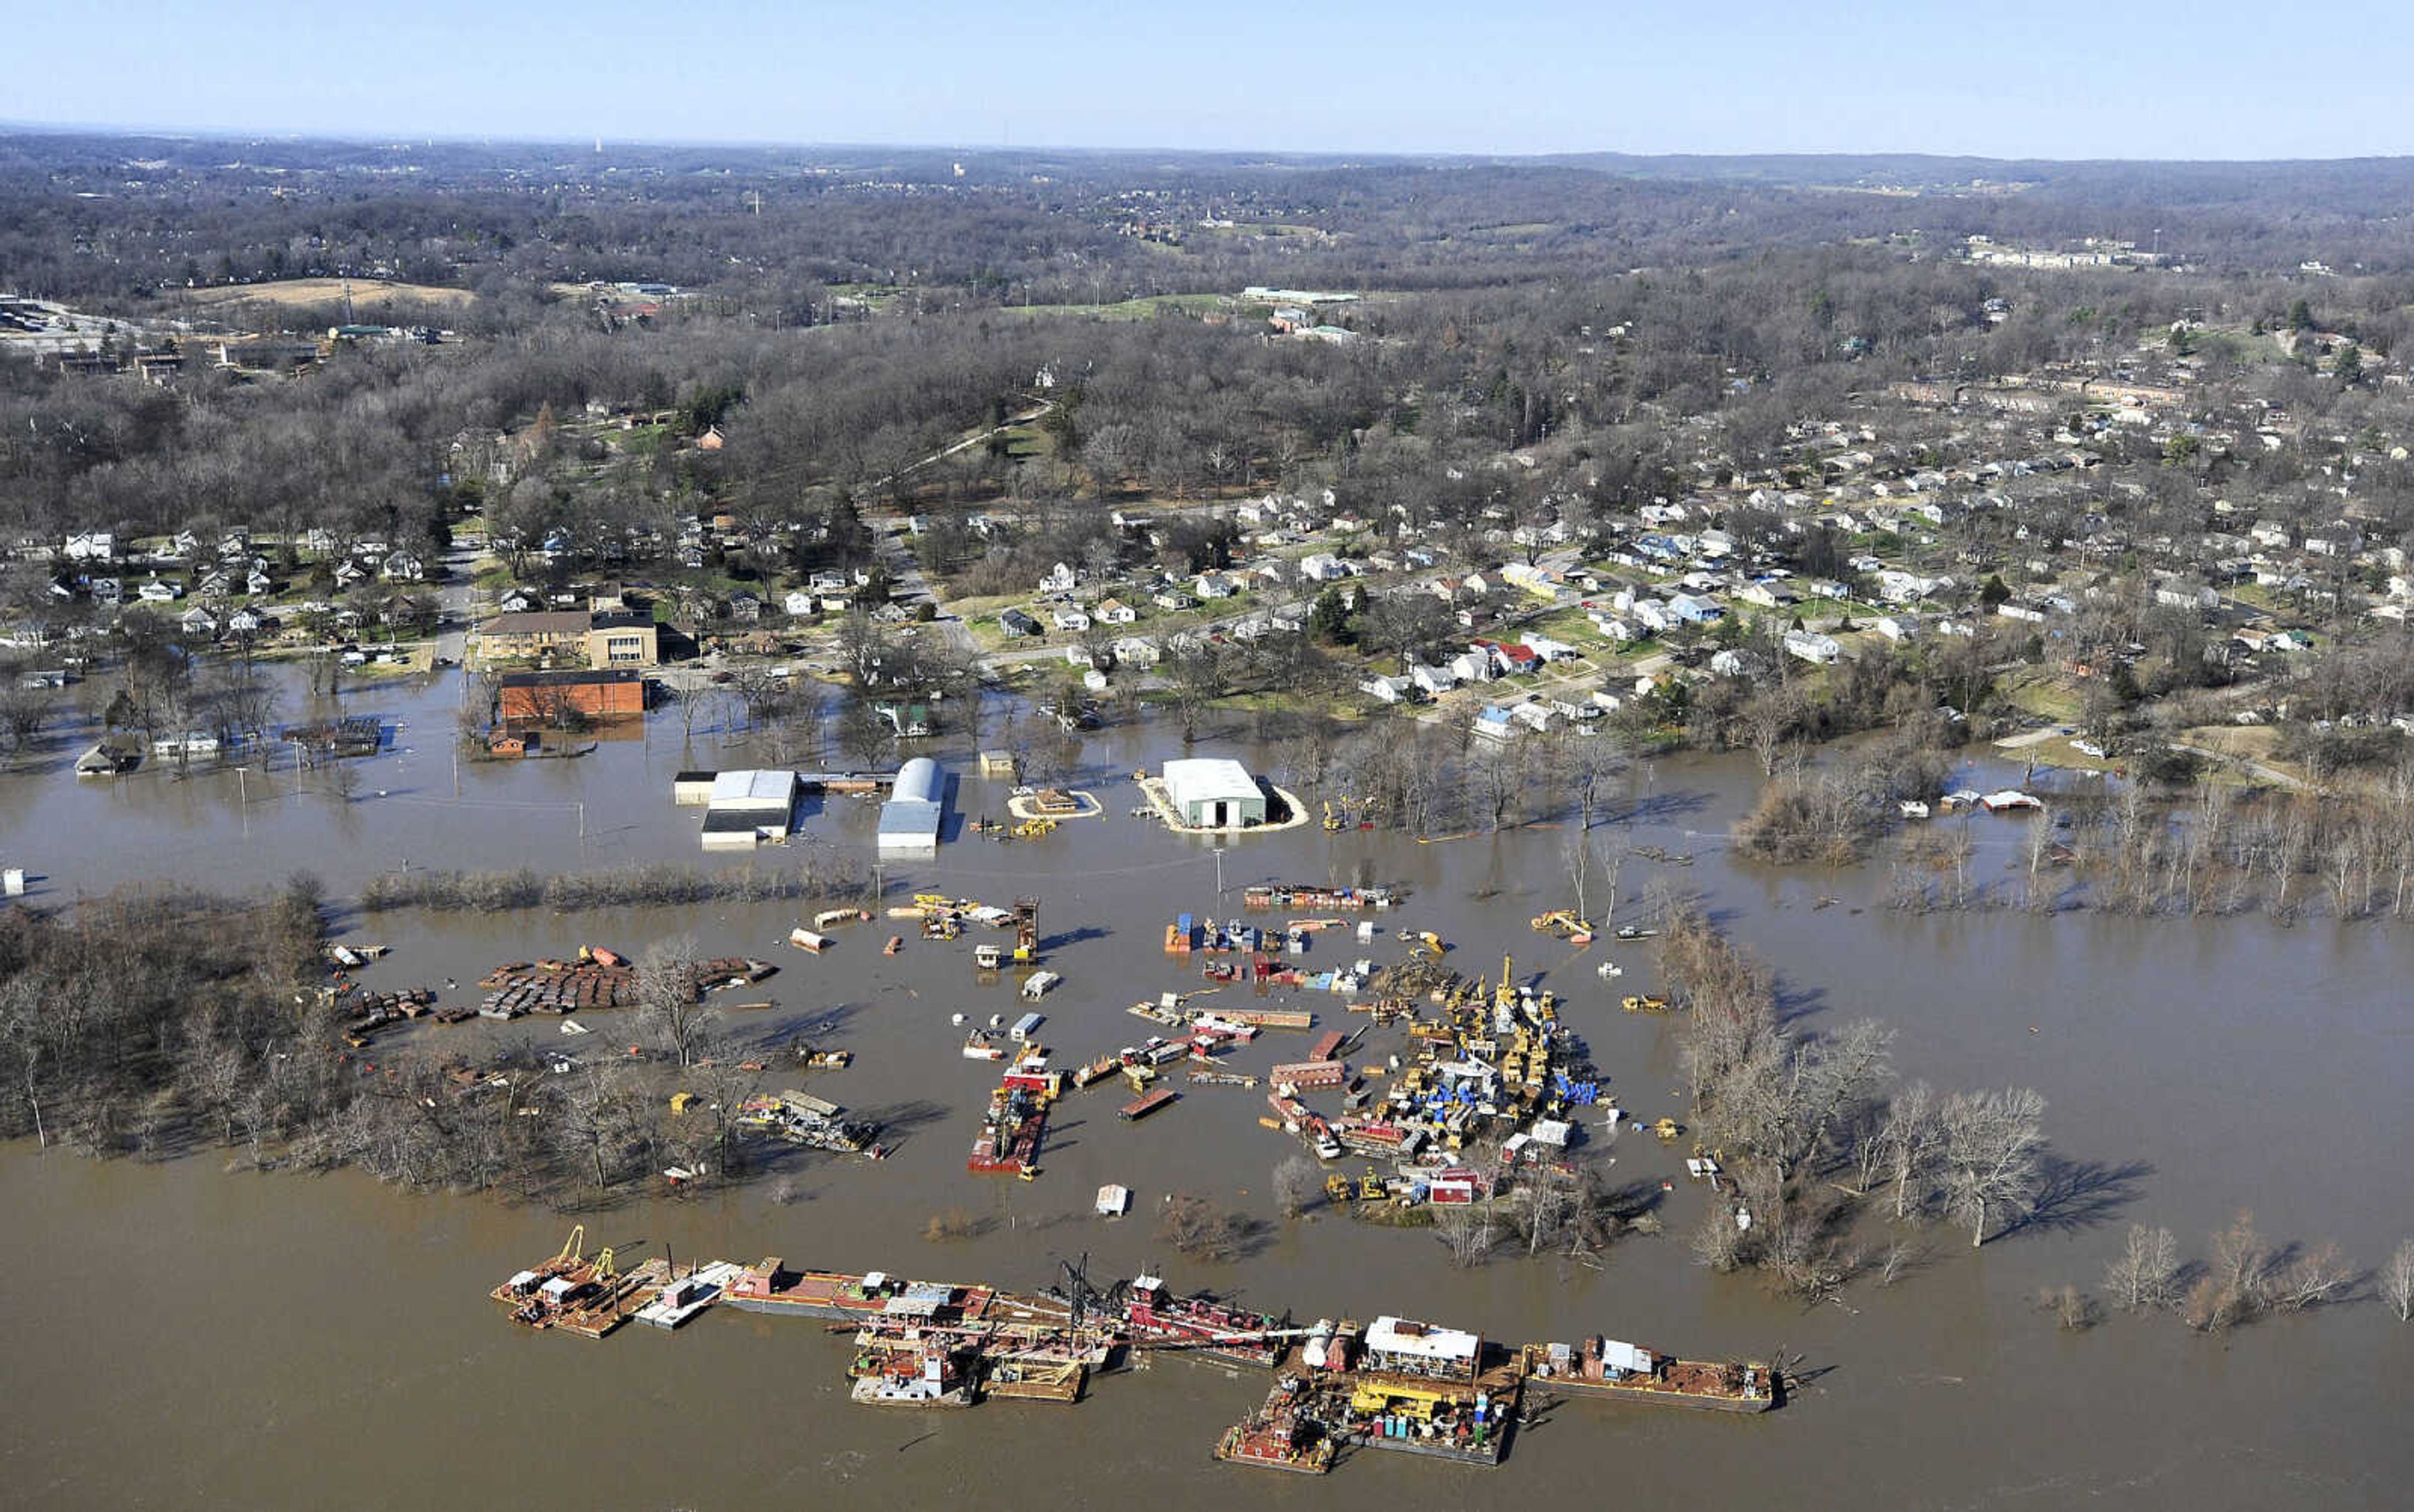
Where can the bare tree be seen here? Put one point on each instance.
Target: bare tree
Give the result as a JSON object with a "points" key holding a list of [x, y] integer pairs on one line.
{"points": [[1470, 1230], [2146, 1273], [1992, 1149], [1294, 1185], [2397, 1282], [670, 1003]]}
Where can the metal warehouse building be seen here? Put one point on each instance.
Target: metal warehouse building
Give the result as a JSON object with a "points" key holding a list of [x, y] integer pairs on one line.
{"points": [[909, 821], [1214, 793]]}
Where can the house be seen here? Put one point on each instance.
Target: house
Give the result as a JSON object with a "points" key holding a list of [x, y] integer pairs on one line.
{"points": [[1897, 627], [745, 607], [908, 721], [799, 603], [107, 591], [1741, 664], [1535, 716], [1016, 623], [259, 585], [1136, 652], [1172, 600], [1548, 649], [1812, 647], [156, 592], [348, 572], [1215, 585], [1114, 611], [1071, 620], [1059, 579], [213, 584], [2021, 611], [1387, 689], [1614, 627], [247, 621], [1077, 654], [198, 622], [1492, 722], [1691, 608], [518, 601], [91, 545], [403, 567], [1471, 666], [1322, 567], [1433, 682]]}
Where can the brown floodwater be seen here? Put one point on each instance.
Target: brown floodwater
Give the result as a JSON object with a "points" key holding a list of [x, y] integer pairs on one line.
{"points": [[183, 1335]]}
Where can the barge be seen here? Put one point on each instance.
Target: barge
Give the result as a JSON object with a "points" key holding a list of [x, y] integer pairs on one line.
{"points": [[770, 1287], [1605, 1368], [1160, 1320]]}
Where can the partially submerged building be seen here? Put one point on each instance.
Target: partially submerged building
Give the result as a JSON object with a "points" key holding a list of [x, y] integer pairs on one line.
{"points": [[1213, 793], [748, 807], [910, 819]]}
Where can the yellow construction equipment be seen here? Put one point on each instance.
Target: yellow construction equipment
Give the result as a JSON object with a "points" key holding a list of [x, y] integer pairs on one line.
{"points": [[1372, 1188], [1033, 829], [1337, 1188], [573, 1248], [1429, 942], [1668, 1129], [1634, 1003], [1566, 925], [605, 1272], [679, 1101], [1504, 998], [1400, 1397]]}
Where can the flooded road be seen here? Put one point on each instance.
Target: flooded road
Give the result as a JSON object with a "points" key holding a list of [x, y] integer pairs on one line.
{"points": [[180, 1335]]}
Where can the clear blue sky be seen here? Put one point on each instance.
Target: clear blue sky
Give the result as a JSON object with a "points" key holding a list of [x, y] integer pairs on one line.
{"points": [[2016, 77]]}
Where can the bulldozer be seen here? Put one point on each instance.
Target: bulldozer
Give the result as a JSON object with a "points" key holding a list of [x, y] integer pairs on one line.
{"points": [[1668, 1131], [1644, 1003], [1033, 829], [1337, 1188]]}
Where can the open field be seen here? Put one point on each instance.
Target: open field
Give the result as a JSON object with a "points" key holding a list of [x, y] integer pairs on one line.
{"points": [[367, 293]]}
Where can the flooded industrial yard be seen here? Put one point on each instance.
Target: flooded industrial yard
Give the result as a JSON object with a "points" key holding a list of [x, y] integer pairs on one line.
{"points": [[180, 1335]]}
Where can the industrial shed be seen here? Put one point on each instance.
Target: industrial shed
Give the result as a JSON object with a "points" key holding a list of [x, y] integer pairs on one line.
{"points": [[748, 806], [1214, 793], [909, 821]]}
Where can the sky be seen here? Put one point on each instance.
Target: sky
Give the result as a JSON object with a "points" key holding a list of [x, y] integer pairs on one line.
{"points": [[2024, 79]]}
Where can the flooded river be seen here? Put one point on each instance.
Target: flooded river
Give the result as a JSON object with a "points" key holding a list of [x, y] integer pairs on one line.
{"points": [[183, 1335]]}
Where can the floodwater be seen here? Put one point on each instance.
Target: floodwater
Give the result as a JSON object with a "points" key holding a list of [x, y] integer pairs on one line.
{"points": [[180, 1335]]}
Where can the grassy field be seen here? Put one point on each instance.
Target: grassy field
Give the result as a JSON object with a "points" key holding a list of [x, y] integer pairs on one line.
{"points": [[2040, 694], [367, 293], [1147, 307]]}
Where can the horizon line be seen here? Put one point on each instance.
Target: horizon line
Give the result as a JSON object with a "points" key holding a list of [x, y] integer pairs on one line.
{"points": [[592, 144]]}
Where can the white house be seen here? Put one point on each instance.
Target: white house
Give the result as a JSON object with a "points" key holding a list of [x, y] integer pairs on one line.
{"points": [[1215, 585], [1471, 666], [1322, 567], [1058, 580], [1812, 647], [1136, 651], [156, 592], [797, 602], [1387, 689], [1072, 620], [1897, 626], [1114, 611], [91, 545], [1433, 682]]}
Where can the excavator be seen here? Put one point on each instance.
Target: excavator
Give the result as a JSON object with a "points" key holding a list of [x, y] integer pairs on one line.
{"points": [[1566, 925]]}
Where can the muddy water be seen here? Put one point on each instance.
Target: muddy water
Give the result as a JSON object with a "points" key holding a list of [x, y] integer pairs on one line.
{"points": [[181, 1335]]}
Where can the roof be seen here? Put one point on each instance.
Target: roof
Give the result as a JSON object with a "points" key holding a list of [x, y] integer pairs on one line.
{"points": [[536, 623], [1399, 1336], [571, 675], [918, 781], [1209, 778], [753, 788]]}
